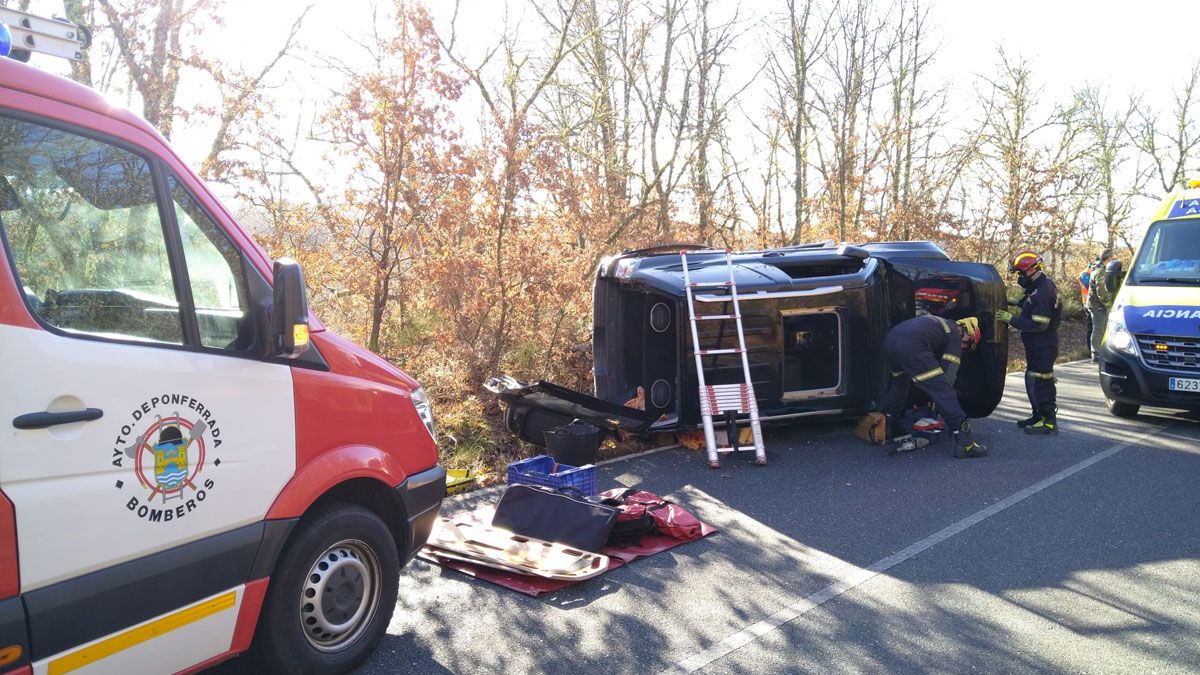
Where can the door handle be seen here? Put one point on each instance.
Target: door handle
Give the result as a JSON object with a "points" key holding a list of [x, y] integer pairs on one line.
{"points": [[41, 420]]}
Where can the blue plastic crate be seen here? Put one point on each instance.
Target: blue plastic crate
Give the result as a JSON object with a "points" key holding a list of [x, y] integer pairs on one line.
{"points": [[541, 470]]}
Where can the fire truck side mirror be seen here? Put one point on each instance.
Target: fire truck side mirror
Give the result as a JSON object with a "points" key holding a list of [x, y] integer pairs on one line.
{"points": [[289, 310]]}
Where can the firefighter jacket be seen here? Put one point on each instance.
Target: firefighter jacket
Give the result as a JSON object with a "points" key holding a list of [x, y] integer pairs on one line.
{"points": [[927, 335], [1041, 313]]}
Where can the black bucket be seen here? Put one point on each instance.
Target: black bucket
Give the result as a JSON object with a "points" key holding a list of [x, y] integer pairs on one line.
{"points": [[574, 444]]}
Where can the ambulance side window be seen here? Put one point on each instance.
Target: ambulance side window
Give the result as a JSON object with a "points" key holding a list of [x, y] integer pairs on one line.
{"points": [[217, 278], [83, 228]]}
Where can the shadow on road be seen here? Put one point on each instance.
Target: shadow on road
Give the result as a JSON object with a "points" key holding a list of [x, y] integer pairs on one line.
{"points": [[1100, 566]]}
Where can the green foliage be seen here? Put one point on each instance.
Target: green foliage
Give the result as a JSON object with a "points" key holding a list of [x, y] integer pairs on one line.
{"points": [[464, 436]]}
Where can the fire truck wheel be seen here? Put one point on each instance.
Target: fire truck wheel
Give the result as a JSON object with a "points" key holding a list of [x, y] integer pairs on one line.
{"points": [[331, 595]]}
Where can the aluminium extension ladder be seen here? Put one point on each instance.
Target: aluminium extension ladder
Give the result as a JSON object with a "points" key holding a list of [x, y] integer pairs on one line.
{"points": [[726, 400]]}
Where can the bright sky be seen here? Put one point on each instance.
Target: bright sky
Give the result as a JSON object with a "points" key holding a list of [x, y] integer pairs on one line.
{"points": [[1127, 46]]}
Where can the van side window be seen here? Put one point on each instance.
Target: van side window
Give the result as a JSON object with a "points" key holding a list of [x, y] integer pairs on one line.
{"points": [[218, 280], [84, 232]]}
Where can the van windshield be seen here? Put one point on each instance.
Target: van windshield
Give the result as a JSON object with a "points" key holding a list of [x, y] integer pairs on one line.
{"points": [[1170, 254]]}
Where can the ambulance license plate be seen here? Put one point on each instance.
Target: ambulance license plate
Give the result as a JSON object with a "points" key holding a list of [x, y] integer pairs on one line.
{"points": [[1183, 384]]}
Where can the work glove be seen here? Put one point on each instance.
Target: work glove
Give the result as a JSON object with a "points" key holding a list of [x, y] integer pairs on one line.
{"points": [[1003, 315]]}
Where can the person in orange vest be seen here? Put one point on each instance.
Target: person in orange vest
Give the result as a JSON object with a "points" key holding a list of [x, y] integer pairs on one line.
{"points": [[1084, 281]]}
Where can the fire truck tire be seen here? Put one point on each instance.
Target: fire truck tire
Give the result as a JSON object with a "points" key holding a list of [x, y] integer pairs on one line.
{"points": [[331, 595], [1120, 409]]}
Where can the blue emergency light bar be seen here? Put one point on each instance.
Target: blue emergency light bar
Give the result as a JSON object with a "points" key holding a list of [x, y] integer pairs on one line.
{"points": [[5, 39]]}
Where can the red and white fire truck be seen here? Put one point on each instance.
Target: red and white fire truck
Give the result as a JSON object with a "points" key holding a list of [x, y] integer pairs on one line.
{"points": [[192, 465]]}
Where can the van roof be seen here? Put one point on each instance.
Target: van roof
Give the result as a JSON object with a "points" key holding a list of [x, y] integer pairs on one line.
{"points": [[1183, 203], [28, 79]]}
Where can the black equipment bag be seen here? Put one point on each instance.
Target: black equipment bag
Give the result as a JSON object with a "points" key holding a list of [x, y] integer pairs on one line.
{"points": [[562, 516]]}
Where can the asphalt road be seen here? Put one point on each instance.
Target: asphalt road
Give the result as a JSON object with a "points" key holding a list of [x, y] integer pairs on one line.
{"points": [[1074, 553]]}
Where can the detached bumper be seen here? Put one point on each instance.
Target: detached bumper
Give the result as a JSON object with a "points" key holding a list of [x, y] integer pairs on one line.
{"points": [[1126, 379], [421, 494]]}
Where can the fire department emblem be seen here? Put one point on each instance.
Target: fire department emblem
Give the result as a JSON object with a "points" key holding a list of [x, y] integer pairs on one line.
{"points": [[170, 458], [162, 464]]}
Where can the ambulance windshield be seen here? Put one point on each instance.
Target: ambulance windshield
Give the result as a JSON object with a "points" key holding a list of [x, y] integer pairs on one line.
{"points": [[1170, 254]]}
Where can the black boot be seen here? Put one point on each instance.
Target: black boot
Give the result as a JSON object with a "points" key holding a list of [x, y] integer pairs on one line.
{"points": [[1028, 421], [1046, 425], [965, 446]]}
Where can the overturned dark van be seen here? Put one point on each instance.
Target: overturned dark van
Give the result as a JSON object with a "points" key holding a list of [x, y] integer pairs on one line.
{"points": [[815, 317]]}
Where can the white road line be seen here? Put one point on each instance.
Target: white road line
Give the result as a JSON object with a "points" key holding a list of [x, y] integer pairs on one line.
{"points": [[757, 630]]}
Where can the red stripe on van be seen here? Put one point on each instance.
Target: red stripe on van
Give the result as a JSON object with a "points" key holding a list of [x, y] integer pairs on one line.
{"points": [[10, 576]]}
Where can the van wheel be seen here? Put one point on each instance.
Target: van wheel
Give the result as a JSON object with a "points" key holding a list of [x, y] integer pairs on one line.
{"points": [[331, 595], [1122, 409]]}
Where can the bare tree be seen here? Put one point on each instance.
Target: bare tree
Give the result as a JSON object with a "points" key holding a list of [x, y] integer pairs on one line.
{"points": [[1014, 167], [710, 43], [242, 93], [850, 151], [1173, 144], [509, 103], [910, 191], [1117, 184], [148, 36], [791, 72]]}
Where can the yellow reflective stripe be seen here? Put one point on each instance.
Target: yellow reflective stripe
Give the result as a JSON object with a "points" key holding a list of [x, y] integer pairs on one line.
{"points": [[1038, 318], [136, 636], [897, 373], [945, 323], [1040, 376], [951, 358], [928, 374]]}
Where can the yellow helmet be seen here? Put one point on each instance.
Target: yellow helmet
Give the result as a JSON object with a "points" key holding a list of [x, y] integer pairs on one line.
{"points": [[1025, 261]]}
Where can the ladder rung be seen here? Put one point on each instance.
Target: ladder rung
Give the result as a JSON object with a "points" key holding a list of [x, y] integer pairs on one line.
{"points": [[711, 284], [717, 317], [745, 448], [713, 352]]}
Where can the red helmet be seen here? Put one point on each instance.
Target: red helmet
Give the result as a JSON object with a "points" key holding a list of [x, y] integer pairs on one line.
{"points": [[1025, 261], [971, 334]]}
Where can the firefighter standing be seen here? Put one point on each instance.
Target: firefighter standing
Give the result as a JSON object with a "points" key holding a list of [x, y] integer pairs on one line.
{"points": [[1038, 320], [1099, 299], [927, 351]]}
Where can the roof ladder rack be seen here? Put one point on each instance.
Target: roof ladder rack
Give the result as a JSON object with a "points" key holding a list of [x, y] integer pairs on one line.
{"points": [[33, 34]]}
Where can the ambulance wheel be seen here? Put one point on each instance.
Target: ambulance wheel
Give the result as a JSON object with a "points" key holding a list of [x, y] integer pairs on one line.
{"points": [[1122, 409], [331, 595]]}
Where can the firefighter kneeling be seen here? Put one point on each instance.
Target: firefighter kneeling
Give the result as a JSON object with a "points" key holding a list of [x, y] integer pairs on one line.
{"points": [[927, 351]]}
